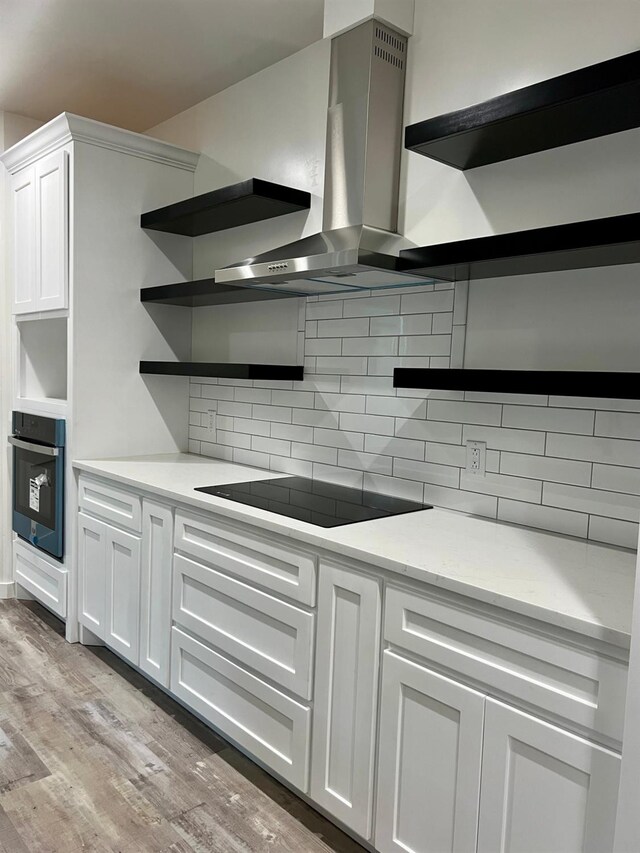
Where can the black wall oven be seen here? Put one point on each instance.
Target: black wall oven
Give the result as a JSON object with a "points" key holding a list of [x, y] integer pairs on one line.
{"points": [[38, 481]]}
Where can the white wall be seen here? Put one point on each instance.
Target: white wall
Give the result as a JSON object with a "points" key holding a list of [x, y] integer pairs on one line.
{"points": [[12, 128]]}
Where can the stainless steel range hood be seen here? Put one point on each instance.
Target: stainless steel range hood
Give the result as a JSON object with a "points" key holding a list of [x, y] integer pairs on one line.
{"points": [[359, 244]]}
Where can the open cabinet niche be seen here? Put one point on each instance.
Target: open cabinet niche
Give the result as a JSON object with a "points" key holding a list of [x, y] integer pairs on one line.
{"points": [[41, 361]]}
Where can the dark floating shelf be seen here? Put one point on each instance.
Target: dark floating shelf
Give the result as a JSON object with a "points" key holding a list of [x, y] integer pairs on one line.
{"points": [[205, 291], [238, 204], [578, 245], [593, 101], [561, 383], [222, 370]]}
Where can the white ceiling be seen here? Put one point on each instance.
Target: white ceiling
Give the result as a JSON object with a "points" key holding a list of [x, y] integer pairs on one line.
{"points": [[135, 63]]}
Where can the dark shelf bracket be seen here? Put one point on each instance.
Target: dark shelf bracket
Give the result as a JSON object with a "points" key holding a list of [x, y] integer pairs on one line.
{"points": [[559, 383], [594, 101], [238, 204]]}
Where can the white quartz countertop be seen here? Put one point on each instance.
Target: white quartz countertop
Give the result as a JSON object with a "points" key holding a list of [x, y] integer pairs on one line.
{"points": [[570, 583]]}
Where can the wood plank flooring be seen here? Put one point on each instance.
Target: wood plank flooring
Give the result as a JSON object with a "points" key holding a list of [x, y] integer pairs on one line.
{"points": [[94, 758]]}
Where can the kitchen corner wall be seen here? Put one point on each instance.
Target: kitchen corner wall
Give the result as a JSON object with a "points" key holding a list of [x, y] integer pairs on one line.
{"points": [[564, 464]]}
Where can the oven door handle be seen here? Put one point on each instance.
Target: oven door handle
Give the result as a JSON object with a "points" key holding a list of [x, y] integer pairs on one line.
{"points": [[34, 448]]}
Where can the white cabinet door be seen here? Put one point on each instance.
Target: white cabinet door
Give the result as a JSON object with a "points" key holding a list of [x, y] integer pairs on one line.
{"points": [[429, 761], [122, 598], [155, 590], [544, 790], [345, 696], [23, 199], [52, 232], [92, 557]]}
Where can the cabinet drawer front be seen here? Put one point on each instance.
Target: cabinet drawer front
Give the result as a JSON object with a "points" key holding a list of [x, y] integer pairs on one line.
{"points": [[48, 583], [265, 722], [249, 555], [575, 684], [266, 634], [110, 503]]}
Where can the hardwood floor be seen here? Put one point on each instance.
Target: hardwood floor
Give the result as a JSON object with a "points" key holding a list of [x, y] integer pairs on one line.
{"points": [[94, 757]]}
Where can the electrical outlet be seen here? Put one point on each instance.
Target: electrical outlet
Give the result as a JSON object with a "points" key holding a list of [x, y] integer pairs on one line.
{"points": [[211, 423], [476, 458]]}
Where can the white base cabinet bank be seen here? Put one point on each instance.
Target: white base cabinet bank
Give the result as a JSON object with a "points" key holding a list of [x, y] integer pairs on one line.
{"points": [[419, 721]]}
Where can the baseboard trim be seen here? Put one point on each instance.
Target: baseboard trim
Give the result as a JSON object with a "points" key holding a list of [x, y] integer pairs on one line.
{"points": [[7, 589]]}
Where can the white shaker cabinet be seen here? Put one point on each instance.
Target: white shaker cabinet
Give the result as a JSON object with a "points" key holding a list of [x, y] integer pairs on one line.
{"points": [[544, 790], [429, 760], [92, 561], [345, 696], [122, 592], [41, 235], [155, 590]]}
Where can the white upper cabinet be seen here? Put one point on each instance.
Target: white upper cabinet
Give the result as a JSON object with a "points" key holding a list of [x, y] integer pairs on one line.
{"points": [[23, 199], [40, 196]]}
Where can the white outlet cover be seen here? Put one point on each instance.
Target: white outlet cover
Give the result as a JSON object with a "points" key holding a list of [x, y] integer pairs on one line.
{"points": [[476, 458]]}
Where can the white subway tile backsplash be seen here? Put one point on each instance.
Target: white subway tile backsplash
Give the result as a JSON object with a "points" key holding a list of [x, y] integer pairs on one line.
{"points": [[534, 515], [425, 345], [613, 531], [566, 464], [371, 306], [370, 346], [471, 502], [426, 472], [616, 478], [323, 346], [367, 462], [277, 446], [403, 447], [448, 433], [545, 468], [339, 476], [465, 413], [247, 425], [404, 324], [575, 421], [503, 486], [408, 490], [618, 425], [338, 438], [593, 501], [518, 440], [427, 303], [405, 407], [283, 414], [300, 399], [350, 328], [324, 310], [377, 424], [315, 453], [292, 432], [612, 451], [354, 365]]}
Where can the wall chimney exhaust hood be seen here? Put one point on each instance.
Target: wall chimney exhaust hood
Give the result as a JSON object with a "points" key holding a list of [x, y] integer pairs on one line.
{"points": [[359, 246]]}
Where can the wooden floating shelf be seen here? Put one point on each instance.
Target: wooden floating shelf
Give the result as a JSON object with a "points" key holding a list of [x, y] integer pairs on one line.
{"points": [[205, 291], [222, 370], [578, 245], [559, 383], [238, 204], [584, 104]]}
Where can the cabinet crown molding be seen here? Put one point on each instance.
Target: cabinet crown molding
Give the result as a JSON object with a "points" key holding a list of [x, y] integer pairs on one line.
{"points": [[72, 128]]}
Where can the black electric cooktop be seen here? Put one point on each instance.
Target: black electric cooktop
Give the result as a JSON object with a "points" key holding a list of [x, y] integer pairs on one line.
{"points": [[313, 501]]}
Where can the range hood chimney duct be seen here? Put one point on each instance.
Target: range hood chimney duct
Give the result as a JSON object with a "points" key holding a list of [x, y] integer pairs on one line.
{"points": [[359, 245]]}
